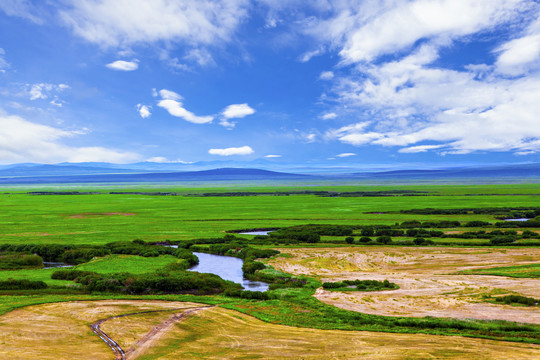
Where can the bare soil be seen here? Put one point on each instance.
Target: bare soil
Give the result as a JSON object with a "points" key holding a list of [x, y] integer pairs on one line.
{"points": [[427, 280]]}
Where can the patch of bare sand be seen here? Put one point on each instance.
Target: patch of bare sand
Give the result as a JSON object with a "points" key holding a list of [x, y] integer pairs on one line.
{"points": [[428, 286]]}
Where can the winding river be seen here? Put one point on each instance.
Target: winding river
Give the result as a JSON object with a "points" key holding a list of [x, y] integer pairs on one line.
{"points": [[228, 268]]}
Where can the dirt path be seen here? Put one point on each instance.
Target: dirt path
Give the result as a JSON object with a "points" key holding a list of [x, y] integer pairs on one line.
{"points": [[429, 285], [149, 338]]}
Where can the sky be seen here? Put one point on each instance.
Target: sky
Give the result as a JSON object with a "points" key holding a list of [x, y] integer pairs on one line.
{"points": [[352, 83]]}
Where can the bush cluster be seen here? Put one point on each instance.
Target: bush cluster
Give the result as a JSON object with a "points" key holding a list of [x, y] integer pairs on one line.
{"points": [[363, 285], [14, 261], [11, 284]]}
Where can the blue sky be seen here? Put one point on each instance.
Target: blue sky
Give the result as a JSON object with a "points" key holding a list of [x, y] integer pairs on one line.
{"points": [[310, 83]]}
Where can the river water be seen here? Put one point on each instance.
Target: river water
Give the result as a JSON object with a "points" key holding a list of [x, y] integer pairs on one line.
{"points": [[228, 268]]}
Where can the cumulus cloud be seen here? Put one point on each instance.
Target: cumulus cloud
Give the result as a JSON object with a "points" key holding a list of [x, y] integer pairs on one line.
{"points": [[121, 65], [144, 111], [235, 111], [413, 99], [342, 155], [175, 108], [272, 156], [519, 55], [366, 30], [126, 22], [171, 102], [168, 95], [414, 103], [243, 150], [25, 141]]}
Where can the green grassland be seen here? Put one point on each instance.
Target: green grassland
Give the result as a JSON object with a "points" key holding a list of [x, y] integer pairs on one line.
{"points": [[102, 218], [105, 265], [520, 271]]}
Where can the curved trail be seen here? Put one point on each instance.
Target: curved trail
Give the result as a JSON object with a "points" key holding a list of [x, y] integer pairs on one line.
{"points": [[119, 353]]}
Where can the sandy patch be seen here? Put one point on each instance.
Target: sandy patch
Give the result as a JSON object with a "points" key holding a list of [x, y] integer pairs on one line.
{"points": [[425, 276]]}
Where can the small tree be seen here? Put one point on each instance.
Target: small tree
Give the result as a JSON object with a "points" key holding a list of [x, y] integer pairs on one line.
{"points": [[349, 239]]}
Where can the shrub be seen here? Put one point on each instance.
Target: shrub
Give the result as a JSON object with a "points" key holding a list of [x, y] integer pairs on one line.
{"points": [[24, 284], [349, 239], [12, 261], [384, 239]]}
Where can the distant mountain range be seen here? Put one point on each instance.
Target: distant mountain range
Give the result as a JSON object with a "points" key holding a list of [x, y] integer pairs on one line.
{"points": [[226, 174], [155, 172]]}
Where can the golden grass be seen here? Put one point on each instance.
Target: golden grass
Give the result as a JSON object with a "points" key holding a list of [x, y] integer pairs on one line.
{"points": [[224, 334], [62, 330]]}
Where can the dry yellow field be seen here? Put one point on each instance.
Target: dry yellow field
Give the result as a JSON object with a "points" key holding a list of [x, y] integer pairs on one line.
{"points": [[426, 276], [61, 331], [225, 334]]}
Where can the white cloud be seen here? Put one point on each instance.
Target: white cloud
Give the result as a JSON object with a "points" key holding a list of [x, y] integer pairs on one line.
{"points": [[305, 57], [342, 155], [310, 137], [244, 150], [175, 109], [329, 116], [125, 22], [326, 75], [164, 160], [235, 111], [199, 56], [121, 65], [21, 8], [168, 94], [419, 148], [366, 30], [272, 156], [413, 99], [56, 103], [519, 55], [44, 90], [3, 62], [144, 111], [25, 141]]}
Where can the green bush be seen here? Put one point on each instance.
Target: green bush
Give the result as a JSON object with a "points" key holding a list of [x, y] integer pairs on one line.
{"points": [[13, 261], [384, 240], [24, 284]]}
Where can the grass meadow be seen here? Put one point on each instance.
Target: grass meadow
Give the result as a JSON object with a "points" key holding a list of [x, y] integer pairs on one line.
{"points": [[100, 218]]}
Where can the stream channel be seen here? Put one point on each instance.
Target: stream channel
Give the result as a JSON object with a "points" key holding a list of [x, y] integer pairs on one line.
{"points": [[226, 267]]}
